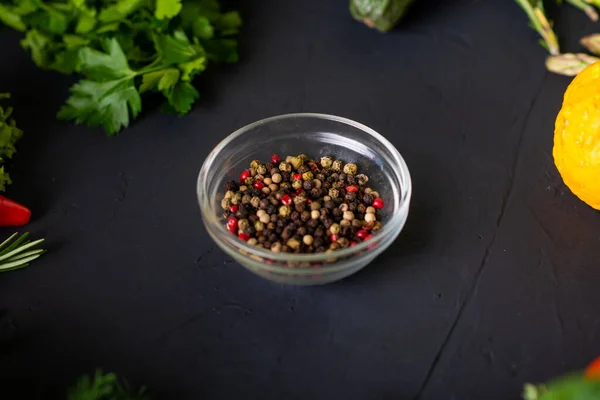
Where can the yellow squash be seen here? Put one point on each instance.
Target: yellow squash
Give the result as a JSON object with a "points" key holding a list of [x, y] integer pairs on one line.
{"points": [[576, 149]]}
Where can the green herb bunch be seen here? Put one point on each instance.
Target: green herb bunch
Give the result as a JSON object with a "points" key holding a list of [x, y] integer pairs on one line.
{"points": [[9, 134], [103, 386], [124, 48]]}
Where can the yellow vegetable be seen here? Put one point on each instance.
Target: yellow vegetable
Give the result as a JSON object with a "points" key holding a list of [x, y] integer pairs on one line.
{"points": [[577, 136]]}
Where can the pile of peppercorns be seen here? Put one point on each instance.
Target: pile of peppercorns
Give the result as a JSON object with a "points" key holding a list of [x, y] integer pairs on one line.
{"points": [[301, 205]]}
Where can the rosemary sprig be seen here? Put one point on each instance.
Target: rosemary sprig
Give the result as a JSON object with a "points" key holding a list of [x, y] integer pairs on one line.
{"points": [[13, 254], [538, 21]]}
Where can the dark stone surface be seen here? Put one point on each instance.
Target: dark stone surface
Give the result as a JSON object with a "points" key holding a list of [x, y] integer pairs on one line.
{"points": [[493, 283]]}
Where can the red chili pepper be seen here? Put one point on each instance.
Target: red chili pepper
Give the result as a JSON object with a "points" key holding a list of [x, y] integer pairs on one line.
{"points": [[297, 177], [259, 185], [12, 213], [234, 208], [244, 175], [351, 189], [286, 200], [232, 225], [378, 203], [593, 370], [275, 159]]}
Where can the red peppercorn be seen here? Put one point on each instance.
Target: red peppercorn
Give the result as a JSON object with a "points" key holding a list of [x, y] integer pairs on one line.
{"points": [[308, 201], [369, 236], [244, 236], [286, 199], [275, 159], [333, 237], [378, 203], [352, 243], [297, 177], [232, 225], [362, 234], [298, 191], [259, 185], [351, 189], [244, 175], [312, 165], [234, 208]]}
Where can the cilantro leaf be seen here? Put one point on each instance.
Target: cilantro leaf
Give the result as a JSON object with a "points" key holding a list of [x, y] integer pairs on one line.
{"points": [[182, 97], [167, 9]]}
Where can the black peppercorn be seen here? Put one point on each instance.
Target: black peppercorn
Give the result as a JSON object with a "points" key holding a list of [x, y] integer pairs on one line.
{"points": [[251, 231], [273, 237], [299, 207], [330, 205], [267, 244], [285, 186], [303, 168], [261, 239], [307, 185], [342, 177], [295, 215], [327, 222], [320, 249], [350, 180], [361, 208], [256, 193], [269, 166], [352, 206], [337, 213], [286, 234], [285, 176], [305, 216], [231, 185], [253, 218], [315, 193], [345, 230], [350, 196], [301, 231], [264, 203], [368, 199], [319, 232]]}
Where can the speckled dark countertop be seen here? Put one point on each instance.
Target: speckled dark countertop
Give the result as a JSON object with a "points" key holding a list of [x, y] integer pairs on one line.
{"points": [[494, 281]]}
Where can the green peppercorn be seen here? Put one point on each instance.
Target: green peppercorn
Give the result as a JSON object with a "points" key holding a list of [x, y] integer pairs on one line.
{"points": [[350, 169], [343, 242], [337, 166], [252, 242], [334, 193], [307, 176], [255, 201], [296, 162], [225, 204], [259, 226], [362, 179], [235, 198], [297, 184], [303, 157], [285, 167], [284, 211], [228, 194], [254, 164], [261, 170], [326, 162], [377, 226], [334, 229], [293, 243], [249, 181]]}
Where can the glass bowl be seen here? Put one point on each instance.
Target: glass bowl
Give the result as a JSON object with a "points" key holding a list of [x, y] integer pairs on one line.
{"points": [[315, 135]]}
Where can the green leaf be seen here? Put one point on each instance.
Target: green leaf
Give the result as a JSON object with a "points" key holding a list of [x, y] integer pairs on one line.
{"points": [[105, 66], [202, 28], [104, 104], [12, 19], [85, 24], [229, 23], [74, 41], [190, 68], [120, 10], [221, 50], [49, 20], [167, 9], [182, 97], [38, 45], [162, 80], [174, 49]]}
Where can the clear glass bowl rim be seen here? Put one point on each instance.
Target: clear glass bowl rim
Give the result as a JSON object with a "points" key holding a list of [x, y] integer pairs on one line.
{"points": [[392, 227]]}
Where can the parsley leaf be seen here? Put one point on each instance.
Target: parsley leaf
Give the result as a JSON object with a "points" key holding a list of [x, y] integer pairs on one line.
{"points": [[167, 8], [9, 134], [181, 97]]}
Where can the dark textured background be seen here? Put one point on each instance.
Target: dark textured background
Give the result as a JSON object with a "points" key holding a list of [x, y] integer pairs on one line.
{"points": [[493, 283]]}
